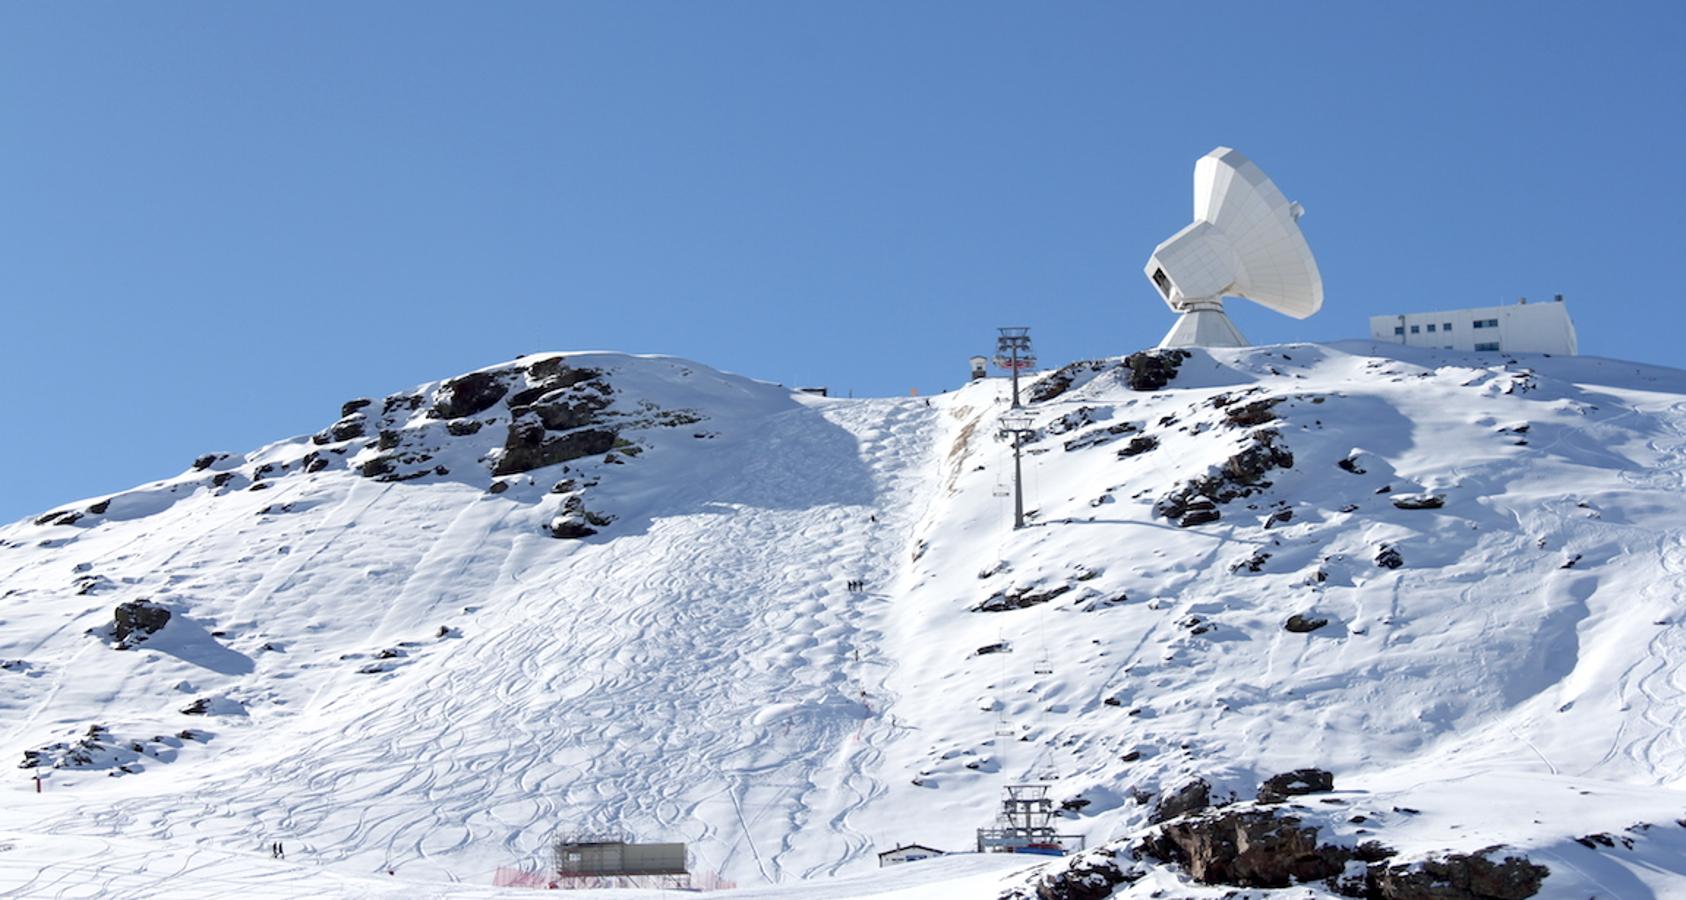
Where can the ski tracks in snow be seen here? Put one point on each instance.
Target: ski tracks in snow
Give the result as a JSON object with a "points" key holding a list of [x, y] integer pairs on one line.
{"points": [[1660, 677], [711, 680]]}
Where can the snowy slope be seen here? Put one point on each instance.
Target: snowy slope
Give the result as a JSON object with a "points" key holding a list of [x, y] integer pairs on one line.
{"points": [[403, 668]]}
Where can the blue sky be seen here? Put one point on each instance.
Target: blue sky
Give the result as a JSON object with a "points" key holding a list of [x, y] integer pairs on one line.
{"points": [[218, 220]]}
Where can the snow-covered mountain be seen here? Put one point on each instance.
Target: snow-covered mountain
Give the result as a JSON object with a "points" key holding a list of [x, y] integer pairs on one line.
{"points": [[598, 592]]}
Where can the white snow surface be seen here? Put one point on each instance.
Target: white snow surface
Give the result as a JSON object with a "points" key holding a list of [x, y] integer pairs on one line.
{"points": [[699, 671]]}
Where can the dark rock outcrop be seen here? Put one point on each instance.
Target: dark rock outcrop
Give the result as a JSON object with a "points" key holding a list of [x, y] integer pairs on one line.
{"points": [[1138, 446], [1239, 476], [59, 517], [1254, 563], [137, 619], [1151, 370], [1419, 501], [1460, 876], [1387, 556], [1088, 876], [1181, 800], [349, 428], [1060, 380], [1257, 412], [1293, 784], [1019, 598], [1255, 848], [529, 447], [571, 528], [469, 394], [1199, 511]]}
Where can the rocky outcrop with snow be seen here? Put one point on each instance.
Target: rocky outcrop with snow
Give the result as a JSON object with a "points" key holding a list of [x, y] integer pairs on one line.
{"points": [[584, 592]]}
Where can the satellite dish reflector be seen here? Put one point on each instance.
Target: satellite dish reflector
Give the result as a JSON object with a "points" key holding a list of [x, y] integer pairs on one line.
{"points": [[1245, 241]]}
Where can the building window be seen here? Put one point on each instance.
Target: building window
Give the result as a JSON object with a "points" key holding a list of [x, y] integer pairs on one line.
{"points": [[1161, 282], [1447, 326], [1415, 329], [1431, 328], [1490, 346], [1486, 323], [1398, 329]]}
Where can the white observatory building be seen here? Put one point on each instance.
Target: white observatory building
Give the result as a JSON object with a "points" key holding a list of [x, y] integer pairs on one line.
{"points": [[1245, 241], [1522, 328]]}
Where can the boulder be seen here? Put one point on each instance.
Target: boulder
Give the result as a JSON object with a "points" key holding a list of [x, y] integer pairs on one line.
{"points": [[1198, 512], [1138, 446], [1388, 557], [136, 619], [1299, 623], [1278, 788], [1419, 501], [570, 528]]}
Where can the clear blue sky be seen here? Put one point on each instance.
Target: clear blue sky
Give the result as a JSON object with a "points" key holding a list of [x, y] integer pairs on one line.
{"points": [[219, 220]]}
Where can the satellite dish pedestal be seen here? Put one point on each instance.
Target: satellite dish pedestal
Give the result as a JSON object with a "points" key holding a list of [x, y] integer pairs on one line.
{"points": [[1202, 324]]}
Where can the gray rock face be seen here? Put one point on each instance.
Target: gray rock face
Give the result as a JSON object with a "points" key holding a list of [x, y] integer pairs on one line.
{"points": [[1241, 475], [1254, 848], [1151, 370], [469, 394], [138, 618], [1187, 798], [1459, 876], [530, 447]]}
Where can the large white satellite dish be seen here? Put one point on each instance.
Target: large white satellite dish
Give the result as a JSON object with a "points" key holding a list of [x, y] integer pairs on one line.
{"points": [[1245, 241]]}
